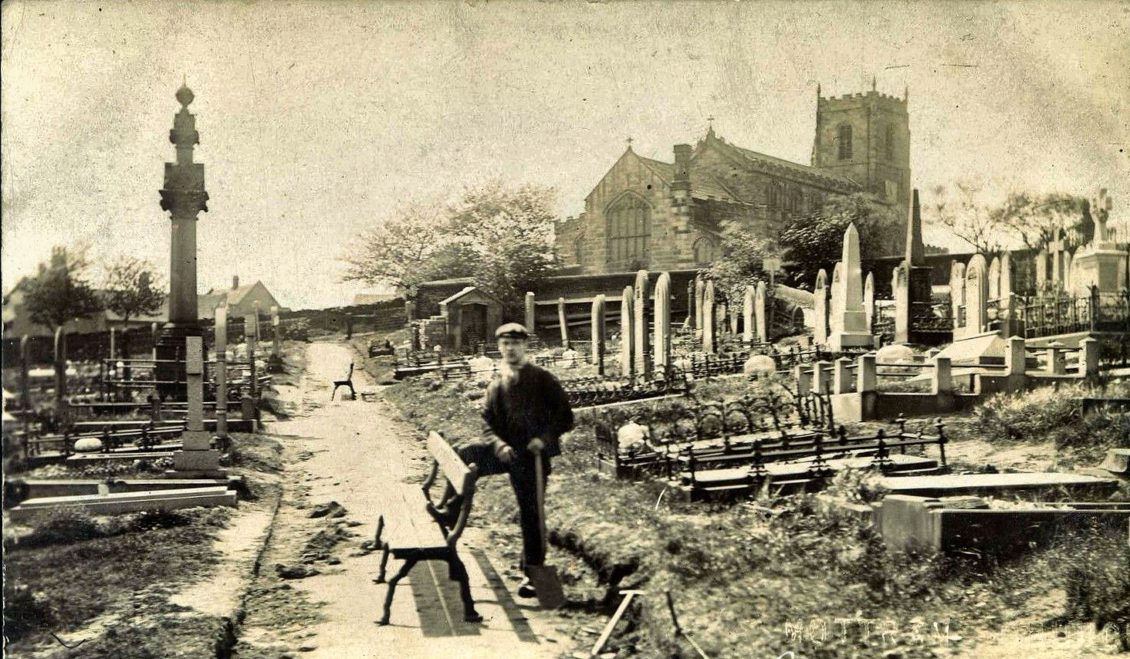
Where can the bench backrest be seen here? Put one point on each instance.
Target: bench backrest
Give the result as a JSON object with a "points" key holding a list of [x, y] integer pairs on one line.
{"points": [[454, 469]]}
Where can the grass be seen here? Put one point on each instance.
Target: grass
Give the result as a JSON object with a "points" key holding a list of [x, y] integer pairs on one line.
{"points": [[747, 580]]}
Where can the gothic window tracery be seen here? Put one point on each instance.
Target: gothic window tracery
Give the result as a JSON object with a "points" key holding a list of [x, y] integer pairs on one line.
{"points": [[629, 230], [844, 141]]}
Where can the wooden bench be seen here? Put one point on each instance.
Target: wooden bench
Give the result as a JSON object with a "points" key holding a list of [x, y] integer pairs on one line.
{"points": [[412, 538]]}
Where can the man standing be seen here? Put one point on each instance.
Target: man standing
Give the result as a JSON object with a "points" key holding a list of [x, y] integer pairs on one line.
{"points": [[526, 411]]}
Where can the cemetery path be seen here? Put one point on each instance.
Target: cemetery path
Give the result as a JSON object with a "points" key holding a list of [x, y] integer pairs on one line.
{"points": [[344, 451]]}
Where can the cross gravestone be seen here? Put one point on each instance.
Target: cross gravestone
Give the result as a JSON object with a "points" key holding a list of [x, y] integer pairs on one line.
{"points": [[699, 299], [221, 350], [530, 313], [759, 316], [852, 323], [662, 342], [627, 333], [747, 315], [835, 299], [599, 329], [976, 295], [820, 309], [708, 318], [640, 324], [196, 459]]}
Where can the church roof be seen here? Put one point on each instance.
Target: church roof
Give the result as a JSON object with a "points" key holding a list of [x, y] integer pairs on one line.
{"points": [[664, 170], [703, 186], [763, 162]]}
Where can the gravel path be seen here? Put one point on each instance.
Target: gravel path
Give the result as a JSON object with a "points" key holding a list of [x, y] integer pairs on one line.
{"points": [[344, 451]]}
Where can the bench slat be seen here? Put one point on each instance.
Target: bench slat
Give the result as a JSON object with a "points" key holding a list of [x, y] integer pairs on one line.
{"points": [[454, 469], [407, 524]]}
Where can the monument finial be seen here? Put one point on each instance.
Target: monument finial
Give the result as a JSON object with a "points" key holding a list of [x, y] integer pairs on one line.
{"points": [[185, 95]]}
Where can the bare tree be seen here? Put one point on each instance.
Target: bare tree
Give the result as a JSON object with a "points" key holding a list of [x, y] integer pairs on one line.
{"points": [[1038, 219], [962, 212]]}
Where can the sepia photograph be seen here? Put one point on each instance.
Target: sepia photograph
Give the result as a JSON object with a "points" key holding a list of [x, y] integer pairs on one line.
{"points": [[567, 329]]}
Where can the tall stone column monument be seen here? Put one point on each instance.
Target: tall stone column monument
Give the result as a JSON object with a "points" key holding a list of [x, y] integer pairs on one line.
{"points": [[850, 322], [183, 195]]}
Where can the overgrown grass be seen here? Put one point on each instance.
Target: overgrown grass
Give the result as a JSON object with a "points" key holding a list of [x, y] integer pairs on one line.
{"points": [[746, 580]]}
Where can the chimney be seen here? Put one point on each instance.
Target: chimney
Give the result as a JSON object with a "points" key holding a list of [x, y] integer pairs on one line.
{"points": [[682, 165], [235, 282]]}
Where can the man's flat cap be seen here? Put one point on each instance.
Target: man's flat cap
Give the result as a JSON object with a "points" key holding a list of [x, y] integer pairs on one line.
{"points": [[511, 331]]}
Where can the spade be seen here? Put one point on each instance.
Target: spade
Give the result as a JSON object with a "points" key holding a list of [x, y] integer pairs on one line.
{"points": [[544, 578]]}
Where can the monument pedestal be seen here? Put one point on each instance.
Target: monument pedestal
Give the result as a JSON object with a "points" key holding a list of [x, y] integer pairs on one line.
{"points": [[197, 458], [853, 334]]}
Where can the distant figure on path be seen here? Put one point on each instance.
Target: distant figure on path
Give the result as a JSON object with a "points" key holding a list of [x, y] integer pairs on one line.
{"points": [[525, 411]]}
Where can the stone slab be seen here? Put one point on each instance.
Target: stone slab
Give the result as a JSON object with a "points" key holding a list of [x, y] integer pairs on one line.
{"points": [[128, 502], [196, 460], [780, 470], [992, 483], [1117, 461], [193, 440], [988, 348], [40, 488]]}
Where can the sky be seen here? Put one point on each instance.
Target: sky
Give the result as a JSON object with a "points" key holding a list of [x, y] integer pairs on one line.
{"points": [[318, 119]]}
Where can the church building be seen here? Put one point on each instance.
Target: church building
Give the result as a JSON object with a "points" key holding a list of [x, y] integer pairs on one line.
{"points": [[659, 215]]}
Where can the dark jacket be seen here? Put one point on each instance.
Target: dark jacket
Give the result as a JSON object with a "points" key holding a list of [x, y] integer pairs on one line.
{"points": [[531, 405]]}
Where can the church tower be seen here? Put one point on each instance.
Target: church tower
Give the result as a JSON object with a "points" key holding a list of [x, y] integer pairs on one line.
{"points": [[866, 137]]}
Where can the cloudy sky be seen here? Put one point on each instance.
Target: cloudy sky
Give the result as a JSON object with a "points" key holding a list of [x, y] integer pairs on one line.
{"points": [[317, 119]]}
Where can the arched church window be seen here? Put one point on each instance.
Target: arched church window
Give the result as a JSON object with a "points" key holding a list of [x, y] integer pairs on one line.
{"points": [[629, 230], [705, 251], [889, 142], [844, 140]]}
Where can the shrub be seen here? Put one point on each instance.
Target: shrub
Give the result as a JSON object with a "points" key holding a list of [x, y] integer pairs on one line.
{"points": [[1097, 581], [1028, 415]]}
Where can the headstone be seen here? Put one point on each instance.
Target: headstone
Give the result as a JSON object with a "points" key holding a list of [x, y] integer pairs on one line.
{"points": [[662, 341], [221, 350], [690, 305], [563, 321], [957, 297], [1006, 276], [1068, 283], [531, 315], [995, 279], [113, 343], [627, 332], [250, 334], [641, 324], [708, 318], [61, 377], [733, 311], [154, 331], [976, 295], [599, 330], [276, 340], [869, 300], [900, 288], [759, 316], [1041, 269], [835, 299], [699, 294], [943, 376], [748, 315], [820, 309], [720, 314], [852, 322]]}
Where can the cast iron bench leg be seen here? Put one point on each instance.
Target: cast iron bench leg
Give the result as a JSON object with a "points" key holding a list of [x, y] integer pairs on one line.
{"points": [[458, 572], [404, 570], [384, 564]]}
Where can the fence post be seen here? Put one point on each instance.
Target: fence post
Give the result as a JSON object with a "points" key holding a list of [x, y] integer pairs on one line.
{"points": [[1016, 357], [943, 376], [803, 379], [61, 378], [867, 378], [1089, 355], [221, 349], [841, 376]]}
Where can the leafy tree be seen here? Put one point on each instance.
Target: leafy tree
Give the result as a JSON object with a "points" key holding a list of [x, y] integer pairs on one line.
{"points": [[1038, 219], [816, 241], [500, 237], [411, 246], [962, 212], [509, 231], [132, 288], [742, 260], [61, 291]]}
